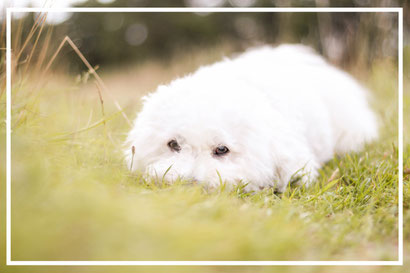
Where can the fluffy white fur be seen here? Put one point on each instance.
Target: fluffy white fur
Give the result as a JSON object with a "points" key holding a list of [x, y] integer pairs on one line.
{"points": [[280, 111]]}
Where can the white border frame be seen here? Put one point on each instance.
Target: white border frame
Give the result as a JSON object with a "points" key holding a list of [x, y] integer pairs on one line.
{"points": [[399, 11]]}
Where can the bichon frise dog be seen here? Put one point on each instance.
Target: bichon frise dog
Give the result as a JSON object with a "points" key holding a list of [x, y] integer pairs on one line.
{"points": [[260, 118]]}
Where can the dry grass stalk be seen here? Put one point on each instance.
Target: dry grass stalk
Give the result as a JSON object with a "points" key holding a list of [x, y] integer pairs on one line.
{"points": [[334, 175], [17, 34], [55, 54], [44, 49], [103, 116], [102, 107], [3, 64], [2, 34], [132, 158], [36, 41], [91, 70], [40, 20], [101, 99]]}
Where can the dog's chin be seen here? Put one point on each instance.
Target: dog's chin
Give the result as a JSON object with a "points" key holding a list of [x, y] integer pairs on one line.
{"points": [[171, 175], [227, 179]]}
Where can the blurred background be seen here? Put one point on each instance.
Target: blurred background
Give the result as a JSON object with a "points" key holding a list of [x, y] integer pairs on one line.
{"points": [[349, 40]]}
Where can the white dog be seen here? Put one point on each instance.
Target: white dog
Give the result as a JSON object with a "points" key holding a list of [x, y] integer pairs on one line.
{"points": [[260, 118]]}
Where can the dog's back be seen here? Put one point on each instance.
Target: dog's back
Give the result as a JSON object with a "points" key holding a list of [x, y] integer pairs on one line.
{"points": [[303, 86]]}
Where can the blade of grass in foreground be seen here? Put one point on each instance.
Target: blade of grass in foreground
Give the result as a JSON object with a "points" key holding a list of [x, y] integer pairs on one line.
{"points": [[66, 136]]}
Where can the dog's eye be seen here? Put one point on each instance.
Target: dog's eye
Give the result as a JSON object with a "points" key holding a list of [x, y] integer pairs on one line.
{"points": [[174, 146], [221, 150]]}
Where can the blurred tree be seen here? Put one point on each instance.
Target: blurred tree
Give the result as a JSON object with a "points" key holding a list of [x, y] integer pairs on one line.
{"points": [[347, 39]]}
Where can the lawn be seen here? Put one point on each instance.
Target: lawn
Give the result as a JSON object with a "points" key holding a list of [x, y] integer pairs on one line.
{"points": [[74, 199]]}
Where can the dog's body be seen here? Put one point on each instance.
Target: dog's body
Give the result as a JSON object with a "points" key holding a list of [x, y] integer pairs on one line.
{"points": [[259, 118]]}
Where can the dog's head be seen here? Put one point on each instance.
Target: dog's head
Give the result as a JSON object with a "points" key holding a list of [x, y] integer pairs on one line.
{"points": [[203, 136]]}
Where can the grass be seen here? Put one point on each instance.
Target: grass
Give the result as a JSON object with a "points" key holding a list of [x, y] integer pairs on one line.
{"points": [[74, 199]]}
